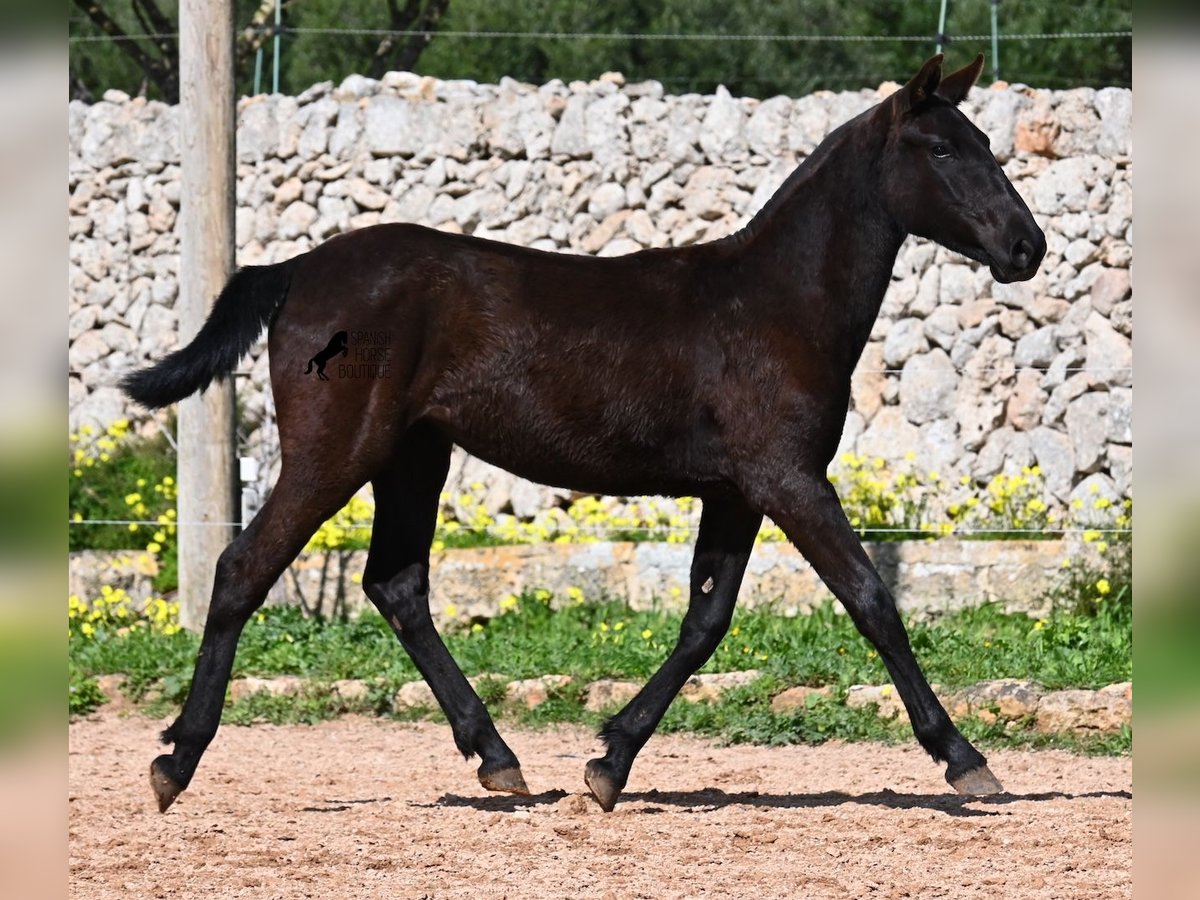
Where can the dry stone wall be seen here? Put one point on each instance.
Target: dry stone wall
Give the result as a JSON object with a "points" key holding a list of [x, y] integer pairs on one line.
{"points": [[972, 376]]}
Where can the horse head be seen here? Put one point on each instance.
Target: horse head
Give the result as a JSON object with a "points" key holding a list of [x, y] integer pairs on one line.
{"points": [[940, 180]]}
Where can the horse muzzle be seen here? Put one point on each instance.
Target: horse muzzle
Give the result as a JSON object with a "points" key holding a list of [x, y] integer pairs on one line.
{"points": [[1022, 259]]}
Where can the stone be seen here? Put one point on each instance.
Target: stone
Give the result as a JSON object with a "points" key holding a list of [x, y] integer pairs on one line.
{"points": [[928, 387], [888, 435], [885, 698], [938, 450], [766, 132], [1025, 404], [414, 695], [942, 327], [606, 200], [1120, 415], [797, 698], [1055, 455], [533, 692], [86, 349], [351, 691], [570, 135], [607, 693], [1004, 449], [1087, 424], [1013, 323], [296, 220], [904, 339], [1093, 500], [279, 686], [868, 381], [957, 284], [1109, 288], [1004, 698], [80, 321], [721, 137], [709, 688], [1120, 466], [1038, 348], [1115, 106], [1109, 353], [1082, 711], [367, 195], [119, 338]]}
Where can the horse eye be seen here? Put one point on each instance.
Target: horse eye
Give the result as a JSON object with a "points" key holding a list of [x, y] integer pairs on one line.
{"points": [[941, 151]]}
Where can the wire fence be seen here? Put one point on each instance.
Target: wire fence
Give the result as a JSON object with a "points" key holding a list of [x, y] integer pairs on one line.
{"points": [[793, 38]]}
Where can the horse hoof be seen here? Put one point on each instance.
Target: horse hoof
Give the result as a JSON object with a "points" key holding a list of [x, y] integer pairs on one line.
{"points": [[977, 782], [602, 785], [165, 787], [508, 780]]}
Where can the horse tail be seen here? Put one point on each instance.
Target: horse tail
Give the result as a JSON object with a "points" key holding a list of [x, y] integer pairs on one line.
{"points": [[245, 307]]}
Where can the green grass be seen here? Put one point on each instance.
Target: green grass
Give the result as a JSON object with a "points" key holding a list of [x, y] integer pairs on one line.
{"points": [[608, 639]]}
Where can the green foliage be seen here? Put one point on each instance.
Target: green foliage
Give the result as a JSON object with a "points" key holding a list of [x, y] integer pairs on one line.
{"points": [[306, 709], [116, 476], [752, 67], [83, 692], [1079, 645]]}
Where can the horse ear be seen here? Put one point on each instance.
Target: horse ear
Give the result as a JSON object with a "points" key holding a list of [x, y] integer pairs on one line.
{"points": [[954, 87], [921, 86]]}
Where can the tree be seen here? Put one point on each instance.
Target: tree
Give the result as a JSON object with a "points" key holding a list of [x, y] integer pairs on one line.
{"points": [[141, 55]]}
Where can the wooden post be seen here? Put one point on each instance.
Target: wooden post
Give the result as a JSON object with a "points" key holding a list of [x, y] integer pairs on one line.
{"points": [[207, 452]]}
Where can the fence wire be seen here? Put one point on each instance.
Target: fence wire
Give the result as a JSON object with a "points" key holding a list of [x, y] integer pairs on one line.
{"points": [[628, 35]]}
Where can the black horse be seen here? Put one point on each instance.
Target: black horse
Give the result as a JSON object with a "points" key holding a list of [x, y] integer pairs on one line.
{"points": [[719, 370]]}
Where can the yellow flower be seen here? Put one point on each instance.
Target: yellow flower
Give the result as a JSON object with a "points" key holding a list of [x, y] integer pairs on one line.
{"points": [[509, 601], [1039, 624], [1103, 587], [647, 634], [476, 628]]}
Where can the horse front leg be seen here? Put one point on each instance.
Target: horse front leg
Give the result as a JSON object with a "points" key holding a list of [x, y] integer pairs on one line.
{"points": [[727, 530], [807, 508]]}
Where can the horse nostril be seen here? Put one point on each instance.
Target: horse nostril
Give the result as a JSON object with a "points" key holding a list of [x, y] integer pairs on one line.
{"points": [[1022, 253]]}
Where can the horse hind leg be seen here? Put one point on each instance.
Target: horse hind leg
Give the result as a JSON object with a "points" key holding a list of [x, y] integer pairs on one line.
{"points": [[397, 582], [245, 571]]}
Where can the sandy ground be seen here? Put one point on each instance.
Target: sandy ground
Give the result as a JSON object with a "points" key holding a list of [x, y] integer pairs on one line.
{"points": [[361, 807]]}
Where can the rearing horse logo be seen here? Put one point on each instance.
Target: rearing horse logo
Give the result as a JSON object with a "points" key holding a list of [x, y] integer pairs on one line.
{"points": [[336, 346]]}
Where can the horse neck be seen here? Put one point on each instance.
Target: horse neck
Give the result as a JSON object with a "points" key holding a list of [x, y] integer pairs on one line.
{"points": [[823, 248]]}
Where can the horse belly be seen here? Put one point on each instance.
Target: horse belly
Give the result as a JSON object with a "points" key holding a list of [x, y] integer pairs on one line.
{"points": [[589, 452]]}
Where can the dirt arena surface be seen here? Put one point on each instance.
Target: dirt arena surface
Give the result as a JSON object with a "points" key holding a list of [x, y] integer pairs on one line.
{"points": [[361, 807]]}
